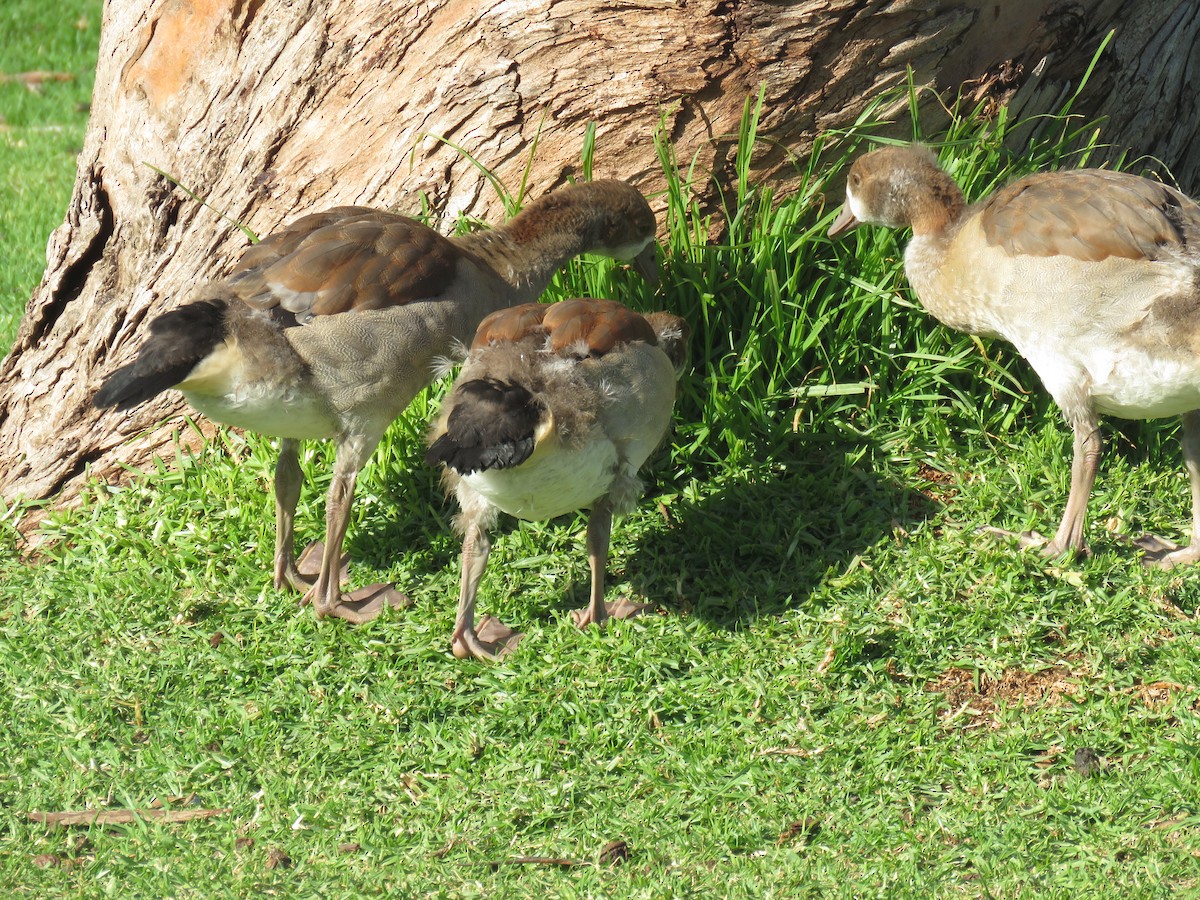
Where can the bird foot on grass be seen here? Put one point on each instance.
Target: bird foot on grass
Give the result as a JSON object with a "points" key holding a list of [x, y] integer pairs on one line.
{"points": [[1032, 540], [368, 603], [1162, 553], [624, 608], [355, 607], [490, 641], [1027, 540], [309, 563]]}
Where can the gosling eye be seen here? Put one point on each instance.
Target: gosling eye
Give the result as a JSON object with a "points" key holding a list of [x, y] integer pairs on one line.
{"points": [[855, 179]]}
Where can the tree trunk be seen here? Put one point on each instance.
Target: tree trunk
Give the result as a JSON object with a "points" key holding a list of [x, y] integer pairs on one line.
{"points": [[272, 109]]}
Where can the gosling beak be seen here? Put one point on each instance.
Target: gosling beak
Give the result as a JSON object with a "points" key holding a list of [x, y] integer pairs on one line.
{"points": [[843, 223], [646, 263]]}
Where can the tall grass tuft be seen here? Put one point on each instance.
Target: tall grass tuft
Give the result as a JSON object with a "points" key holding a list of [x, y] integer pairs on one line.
{"points": [[797, 341]]}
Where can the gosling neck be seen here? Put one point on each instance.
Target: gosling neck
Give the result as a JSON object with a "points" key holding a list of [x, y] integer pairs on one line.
{"points": [[936, 207], [525, 266]]}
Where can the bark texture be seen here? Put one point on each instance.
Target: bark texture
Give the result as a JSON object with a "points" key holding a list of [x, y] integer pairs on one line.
{"points": [[271, 109]]}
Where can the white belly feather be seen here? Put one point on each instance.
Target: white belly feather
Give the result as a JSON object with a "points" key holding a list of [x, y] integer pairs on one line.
{"points": [[1122, 381], [266, 412], [554, 481], [1103, 347], [221, 388]]}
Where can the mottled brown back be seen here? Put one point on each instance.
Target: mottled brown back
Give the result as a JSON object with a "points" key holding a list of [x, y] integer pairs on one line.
{"points": [[506, 326], [1089, 214], [344, 259], [571, 325], [598, 324]]}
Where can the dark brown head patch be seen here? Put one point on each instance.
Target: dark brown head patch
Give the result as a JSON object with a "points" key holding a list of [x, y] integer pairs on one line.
{"points": [[602, 215]]}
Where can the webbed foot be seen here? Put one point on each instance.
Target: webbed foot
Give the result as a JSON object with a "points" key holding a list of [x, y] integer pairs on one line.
{"points": [[622, 608], [490, 641]]}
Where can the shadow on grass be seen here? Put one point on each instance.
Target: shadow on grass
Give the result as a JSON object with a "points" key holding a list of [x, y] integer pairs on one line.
{"points": [[748, 543], [758, 544], [409, 523]]}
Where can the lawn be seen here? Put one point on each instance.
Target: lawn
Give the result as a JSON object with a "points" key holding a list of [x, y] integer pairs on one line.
{"points": [[47, 65], [845, 691]]}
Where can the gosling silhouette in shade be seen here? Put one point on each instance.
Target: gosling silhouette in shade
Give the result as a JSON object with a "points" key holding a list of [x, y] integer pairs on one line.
{"points": [[329, 327], [1094, 276], [555, 409]]}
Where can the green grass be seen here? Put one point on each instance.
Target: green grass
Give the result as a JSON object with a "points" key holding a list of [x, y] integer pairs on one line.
{"points": [[41, 132], [847, 692]]}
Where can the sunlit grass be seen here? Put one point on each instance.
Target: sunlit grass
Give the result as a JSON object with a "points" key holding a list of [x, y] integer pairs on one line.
{"points": [[847, 692], [41, 131]]}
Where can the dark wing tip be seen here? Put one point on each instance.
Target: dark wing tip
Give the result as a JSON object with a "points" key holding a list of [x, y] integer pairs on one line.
{"points": [[493, 425], [178, 340]]}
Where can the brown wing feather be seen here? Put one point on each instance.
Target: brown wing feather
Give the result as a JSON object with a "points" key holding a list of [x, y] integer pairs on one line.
{"points": [[282, 242], [1089, 214], [594, 326], [599, 325], [510, 325], [345, 259]]}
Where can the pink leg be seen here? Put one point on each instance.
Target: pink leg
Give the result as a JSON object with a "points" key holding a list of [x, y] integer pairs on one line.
{"points": [[597, 612], [494, 639], [287, 494], [300, 574], [1084, 465], [326, 595]]}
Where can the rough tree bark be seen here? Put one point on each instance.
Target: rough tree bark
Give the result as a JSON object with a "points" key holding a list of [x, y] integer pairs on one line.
{"points": [[273, 108]]}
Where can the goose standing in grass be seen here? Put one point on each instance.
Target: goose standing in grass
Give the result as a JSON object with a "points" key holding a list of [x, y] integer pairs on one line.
{"points": [[329, 327], [555, 409], [1094, 276]]}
